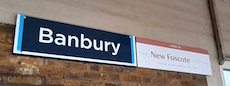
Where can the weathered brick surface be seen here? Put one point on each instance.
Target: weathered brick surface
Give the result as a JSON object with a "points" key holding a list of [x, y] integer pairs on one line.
{"points": [[24, 80], [7, 69], [4, 59], [111, 84], [29, 61], [160, 81], [85, 83], [54, 81], [72, 82], [113, 77], [53, 72], [53, 63], [96, 83], [118, 69], [0, 79], [5, 48], [187, 83], [27, 70], [2, 37], [186, 76], [76, 74], [146, 79], [95, 67], [131, 78], [107, 68], [173, 75], [93, 75], [175, 83], [77, 66]]}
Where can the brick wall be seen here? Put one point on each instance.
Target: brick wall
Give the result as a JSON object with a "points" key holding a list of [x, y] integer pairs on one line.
{"points": [[27, 70]]}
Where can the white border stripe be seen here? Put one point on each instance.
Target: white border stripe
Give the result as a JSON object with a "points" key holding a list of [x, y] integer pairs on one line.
{"points": [[16, 34]]}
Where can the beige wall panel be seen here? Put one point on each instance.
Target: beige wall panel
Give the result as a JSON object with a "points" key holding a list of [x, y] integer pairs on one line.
{"points": [[215, 79], [223, 11], [225, 32], [226, 65], [144, 12], [207, 42], [223, 14], [226, 36], [226, 47]]}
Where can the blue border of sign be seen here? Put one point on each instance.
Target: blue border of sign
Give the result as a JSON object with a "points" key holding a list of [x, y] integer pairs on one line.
{"points": [[20, 34], [132, 49]]}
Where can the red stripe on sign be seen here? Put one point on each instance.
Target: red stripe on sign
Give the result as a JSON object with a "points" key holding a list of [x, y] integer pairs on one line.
{"points": [[168, 45]]}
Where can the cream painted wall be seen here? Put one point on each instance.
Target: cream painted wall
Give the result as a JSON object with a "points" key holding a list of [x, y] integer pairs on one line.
{"points": [[223, 14], [183, 22]]}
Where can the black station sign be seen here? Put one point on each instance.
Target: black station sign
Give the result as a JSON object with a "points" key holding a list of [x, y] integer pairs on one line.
{"points": [[39, 37]]}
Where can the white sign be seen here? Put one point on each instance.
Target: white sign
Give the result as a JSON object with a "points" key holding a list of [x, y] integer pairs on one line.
{"points": [[164, 56]]}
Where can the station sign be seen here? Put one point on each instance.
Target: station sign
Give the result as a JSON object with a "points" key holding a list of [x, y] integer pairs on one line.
{"points": [[171, 57], [50, 39], [39, 37]]}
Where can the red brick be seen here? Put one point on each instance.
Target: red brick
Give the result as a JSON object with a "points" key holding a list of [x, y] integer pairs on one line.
{"points": [[24, 80], [154, 73], [6, 32], [143, 71], [77, 66], [205, 83], [76, 74], [94, 67], [124, 77], [27, 70], [129, 70], [112, 84], [84, 83], [0, 79], [118, 69], [113, 77], [160, 73], [186, 76], [199, 78], [146, 79], [107, 68], [4, 59], [25, 60], [146, 84], [53, 63], [96, 83], [93, 75], [175, 82], [2, 37], [66, 82], [132, 78], [7, 69], [159, 81], [54, 81], [72, 83], [173, 75], [133, 84], [6, 47], [199, 84], [7, 27], [187, 83], [10, 38], [53, 72]]}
